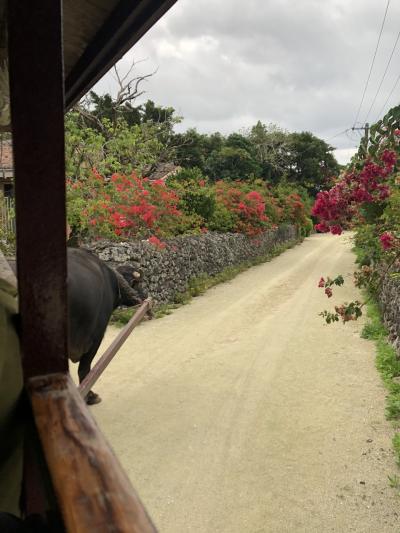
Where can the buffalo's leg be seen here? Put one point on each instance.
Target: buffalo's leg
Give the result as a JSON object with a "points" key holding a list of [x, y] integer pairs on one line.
{"points": [[83, 370]]}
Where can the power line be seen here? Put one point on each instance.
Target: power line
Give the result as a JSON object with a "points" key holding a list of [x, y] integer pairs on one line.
{"points": [[337, 135], [383, 77], [388, 98], [372, 63]]}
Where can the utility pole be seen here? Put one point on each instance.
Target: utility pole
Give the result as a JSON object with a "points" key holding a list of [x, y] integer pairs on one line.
{"points": [[366, 134]]}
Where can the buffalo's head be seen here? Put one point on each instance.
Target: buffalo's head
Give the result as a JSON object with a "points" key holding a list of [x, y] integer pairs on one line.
{"points": [[133, 293], [130, 273]]}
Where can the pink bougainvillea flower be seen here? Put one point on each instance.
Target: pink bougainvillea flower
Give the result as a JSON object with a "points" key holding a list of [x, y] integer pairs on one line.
{"points": [[323, 228], [387, 240], [336, 230], [328, 292], [389, 157], [321, 283]]}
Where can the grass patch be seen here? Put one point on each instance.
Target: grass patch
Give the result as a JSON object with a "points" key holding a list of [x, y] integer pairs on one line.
{"points": [[199, 285], [388, 365], [120, 317], [394, 482], [396, 446]]}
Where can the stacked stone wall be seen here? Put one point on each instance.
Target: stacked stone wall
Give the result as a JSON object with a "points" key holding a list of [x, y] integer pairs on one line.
{"points": [[166, 272]]}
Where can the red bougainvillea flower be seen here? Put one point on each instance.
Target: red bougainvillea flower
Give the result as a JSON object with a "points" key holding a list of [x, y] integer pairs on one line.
{"points": [[397, 132], [321, 283], [155, 241], [387, 240], [328, 292]]}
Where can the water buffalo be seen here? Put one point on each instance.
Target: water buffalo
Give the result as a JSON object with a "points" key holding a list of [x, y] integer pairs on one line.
{"points": [[94, 291]]}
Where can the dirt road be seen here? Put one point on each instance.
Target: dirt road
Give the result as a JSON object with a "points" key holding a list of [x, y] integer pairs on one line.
{"points": [[242, 412]]}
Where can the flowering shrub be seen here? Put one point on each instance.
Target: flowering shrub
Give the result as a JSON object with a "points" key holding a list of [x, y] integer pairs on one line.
{"points": [[132, 207], [360, 195], [125, 206], [367, 198]]}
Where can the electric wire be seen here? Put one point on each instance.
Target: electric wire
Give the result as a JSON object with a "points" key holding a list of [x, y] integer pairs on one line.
{"points": [[383, 77], [372, 63], [379, 116], [337, 134]]}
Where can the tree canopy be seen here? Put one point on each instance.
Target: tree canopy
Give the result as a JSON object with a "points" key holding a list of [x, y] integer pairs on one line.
{"points": [[113, 134]]}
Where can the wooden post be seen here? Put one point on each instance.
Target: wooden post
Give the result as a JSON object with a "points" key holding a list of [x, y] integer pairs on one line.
{"points": [[37, 113]]}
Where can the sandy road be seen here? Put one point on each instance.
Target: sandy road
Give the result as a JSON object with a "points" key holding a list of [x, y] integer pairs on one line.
{"points": [[242, 412]]}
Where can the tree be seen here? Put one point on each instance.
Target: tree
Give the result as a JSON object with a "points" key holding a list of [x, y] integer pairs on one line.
{"points": [[113, 135], [231, 163], [312, 164], [117, 148], [192, 150], [271, 149]]}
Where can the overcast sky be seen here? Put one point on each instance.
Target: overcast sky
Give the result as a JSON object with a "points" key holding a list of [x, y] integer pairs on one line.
{"points": [[301, 64]]}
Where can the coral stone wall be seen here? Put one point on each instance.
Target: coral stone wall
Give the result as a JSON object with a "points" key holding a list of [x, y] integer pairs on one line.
{"points": [[166, 272], [389, 299]]}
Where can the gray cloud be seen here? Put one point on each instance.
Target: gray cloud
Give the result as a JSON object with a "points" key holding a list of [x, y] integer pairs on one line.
{"points": [[302, 65]]}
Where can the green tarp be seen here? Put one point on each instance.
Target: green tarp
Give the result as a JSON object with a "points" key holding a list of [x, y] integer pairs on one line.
{"points": [[11, 430]]}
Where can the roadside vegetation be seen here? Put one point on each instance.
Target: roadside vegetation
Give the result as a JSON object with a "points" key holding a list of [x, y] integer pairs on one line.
{"points": [[366, 198], [388, 364], [245, 182]]}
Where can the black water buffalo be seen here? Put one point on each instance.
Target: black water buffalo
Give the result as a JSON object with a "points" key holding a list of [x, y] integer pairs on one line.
{"points": [[94, 291]]}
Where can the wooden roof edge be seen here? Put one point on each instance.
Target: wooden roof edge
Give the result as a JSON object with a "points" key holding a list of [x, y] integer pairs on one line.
{"points": [[122, 29]]}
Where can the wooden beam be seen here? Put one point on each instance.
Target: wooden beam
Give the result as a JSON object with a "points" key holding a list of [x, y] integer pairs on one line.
{"points": [[108, 355], [37, 113], [93, 491], [123, 28]]}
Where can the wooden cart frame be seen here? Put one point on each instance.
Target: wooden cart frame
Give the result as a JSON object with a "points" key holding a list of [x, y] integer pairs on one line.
{"points": [[92, 491]]}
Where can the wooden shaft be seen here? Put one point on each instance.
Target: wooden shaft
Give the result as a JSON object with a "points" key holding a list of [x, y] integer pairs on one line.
{"points": [[93, 491], [105, 359]]}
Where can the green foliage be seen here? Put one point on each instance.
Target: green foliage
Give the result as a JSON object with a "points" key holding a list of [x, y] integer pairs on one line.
{"points": [[386, 361], [113, 137], [116, 148], [196, 196], [222, 220], [312, 164], [396, 446], [394, 481], [263, 151], [367, 247], [199, 201], [271, 149], [307, 228], [231, 163], [382, 136], [391, 214]]}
